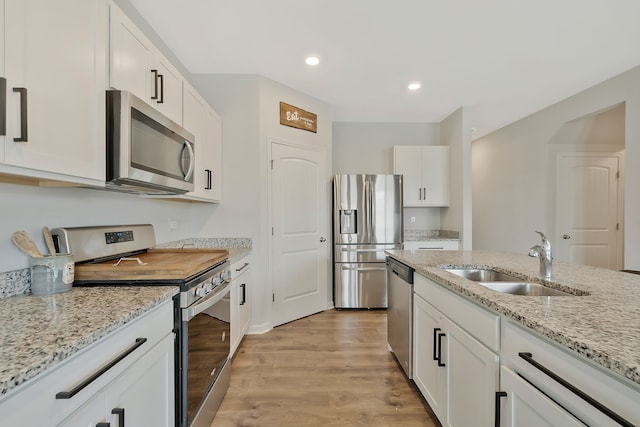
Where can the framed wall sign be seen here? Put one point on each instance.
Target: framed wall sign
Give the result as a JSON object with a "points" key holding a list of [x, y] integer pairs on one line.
{"points": [[298, 118]]}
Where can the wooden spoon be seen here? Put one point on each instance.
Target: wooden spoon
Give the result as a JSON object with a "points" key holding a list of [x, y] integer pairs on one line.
{"points": [[24, 242], [48, 240]]}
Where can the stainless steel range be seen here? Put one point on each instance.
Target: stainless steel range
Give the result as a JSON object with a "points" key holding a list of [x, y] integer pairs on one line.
{"points": [[125, 256]]}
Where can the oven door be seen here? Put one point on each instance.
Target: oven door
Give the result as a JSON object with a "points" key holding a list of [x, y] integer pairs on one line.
{"points": [[205, 350]]}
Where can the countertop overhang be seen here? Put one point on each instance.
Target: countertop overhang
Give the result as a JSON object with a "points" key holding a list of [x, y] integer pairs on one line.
{"points": [[39, 331], [603, 326]]}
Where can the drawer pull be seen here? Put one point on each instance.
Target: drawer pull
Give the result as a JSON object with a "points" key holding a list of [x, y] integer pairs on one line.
{"points": [[70, 393], [246, 264], [582, 395]]}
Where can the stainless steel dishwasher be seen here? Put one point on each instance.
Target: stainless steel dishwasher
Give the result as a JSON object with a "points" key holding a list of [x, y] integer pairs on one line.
{"points": [[400, 313]]}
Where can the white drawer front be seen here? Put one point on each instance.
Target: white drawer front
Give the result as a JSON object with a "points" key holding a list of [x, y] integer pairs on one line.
{"points": [[480, 323]]}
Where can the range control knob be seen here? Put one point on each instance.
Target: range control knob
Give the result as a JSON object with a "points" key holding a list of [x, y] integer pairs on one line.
{"points": [[208, 287], [216, 281], [200, 292], [226, 275]]}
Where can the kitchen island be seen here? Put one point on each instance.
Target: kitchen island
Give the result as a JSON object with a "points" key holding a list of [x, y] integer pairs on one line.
{"points": [[483, 357], [601, 322]]}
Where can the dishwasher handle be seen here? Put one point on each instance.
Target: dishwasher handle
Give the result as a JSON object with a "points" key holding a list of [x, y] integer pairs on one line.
{"points": [[401, 270]]}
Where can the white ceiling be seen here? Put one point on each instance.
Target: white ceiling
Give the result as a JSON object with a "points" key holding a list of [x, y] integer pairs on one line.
{"points": [[505, 59]]}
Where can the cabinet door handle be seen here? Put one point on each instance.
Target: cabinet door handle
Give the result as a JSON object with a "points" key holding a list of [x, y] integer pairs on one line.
{"points": [[75, 390], [440, 335], [3, 105], [161, 78], [120, 413], [499, 394], [208, 178], [23, 114], [435, 343], [243, 286], [155, 84], [575, 390]]}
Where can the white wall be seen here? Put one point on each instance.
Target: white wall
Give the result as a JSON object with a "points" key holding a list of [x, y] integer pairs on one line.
{"points": [[456, 133], [513, 168], [250, 109], [368, 148], [29, 208]]}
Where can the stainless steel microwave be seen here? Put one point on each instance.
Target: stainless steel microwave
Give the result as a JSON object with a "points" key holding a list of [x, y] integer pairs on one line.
{"points": [[147, 153]]}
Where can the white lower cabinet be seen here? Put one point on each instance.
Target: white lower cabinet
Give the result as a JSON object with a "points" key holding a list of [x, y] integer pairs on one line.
{"points": [[457, 374], [131, 369], [142, 395], [240, 300], [476, 368], [523, 405], [542, 380]]}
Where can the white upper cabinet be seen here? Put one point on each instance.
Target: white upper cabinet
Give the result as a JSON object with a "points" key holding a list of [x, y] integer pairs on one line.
{"points": [[205, 124], [137, 66], [426, 179], [54, 65]]}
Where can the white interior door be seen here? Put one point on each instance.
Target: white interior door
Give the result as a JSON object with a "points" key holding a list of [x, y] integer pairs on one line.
{"points": [[587, 210], [299, 215]]}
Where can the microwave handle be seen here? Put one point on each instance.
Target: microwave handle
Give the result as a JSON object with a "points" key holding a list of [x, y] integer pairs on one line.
{"points": [[189, 172]]}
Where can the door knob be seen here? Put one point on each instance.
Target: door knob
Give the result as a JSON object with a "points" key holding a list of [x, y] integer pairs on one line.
{"points": [[566, 236], [322, 240]]}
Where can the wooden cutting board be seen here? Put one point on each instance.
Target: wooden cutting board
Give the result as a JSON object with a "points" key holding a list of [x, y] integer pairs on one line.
{"points": [[161, 264]]}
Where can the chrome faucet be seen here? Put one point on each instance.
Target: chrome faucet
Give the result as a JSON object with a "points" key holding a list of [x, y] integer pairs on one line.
{"points": [[543, 252]]}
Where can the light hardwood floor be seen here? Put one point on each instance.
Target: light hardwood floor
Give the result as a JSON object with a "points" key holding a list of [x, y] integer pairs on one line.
{"points": [[329, 369]]}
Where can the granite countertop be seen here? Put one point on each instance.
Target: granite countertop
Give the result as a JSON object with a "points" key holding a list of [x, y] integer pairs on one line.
{"points": [[38, 332], [237, 247], [603, 326]]}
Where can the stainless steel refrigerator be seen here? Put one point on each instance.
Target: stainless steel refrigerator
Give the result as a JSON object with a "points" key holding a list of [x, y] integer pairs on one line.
{"points": [[367, 220]]}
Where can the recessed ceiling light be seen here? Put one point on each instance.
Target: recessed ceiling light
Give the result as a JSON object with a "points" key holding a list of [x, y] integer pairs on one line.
{"points": [[312, 60], [414, 86]]}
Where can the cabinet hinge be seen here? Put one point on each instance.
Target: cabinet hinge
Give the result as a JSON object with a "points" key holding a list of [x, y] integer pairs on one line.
{"points": [[272, 232], [273, 297], [617, 226], [618, 175], [271, 164]]}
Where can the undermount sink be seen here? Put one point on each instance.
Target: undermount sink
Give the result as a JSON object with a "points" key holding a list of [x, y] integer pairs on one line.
{"points": [[526, 288], [505, 283], [483, 275]]}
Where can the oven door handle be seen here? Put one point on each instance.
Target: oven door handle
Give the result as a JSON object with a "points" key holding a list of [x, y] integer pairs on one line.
{"points": [[205, 303]]}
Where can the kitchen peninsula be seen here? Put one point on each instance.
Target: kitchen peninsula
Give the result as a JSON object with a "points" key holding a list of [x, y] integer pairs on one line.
{"points": [[595, 330]]}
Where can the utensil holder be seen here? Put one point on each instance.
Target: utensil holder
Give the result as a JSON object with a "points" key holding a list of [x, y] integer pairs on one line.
{"points": [[51, 274]]}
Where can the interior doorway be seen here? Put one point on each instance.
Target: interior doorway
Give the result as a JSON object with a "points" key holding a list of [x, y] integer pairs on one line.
{"points": [[588, 217], [300, 257], [588, 189]]}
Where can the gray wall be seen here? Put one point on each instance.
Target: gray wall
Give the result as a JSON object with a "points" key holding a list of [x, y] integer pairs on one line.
{"points": [[456, 133], [368, 148], [513, 169]]}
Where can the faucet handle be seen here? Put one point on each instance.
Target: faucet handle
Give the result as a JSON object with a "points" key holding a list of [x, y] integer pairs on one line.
{"points": [[545, 242]]}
